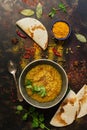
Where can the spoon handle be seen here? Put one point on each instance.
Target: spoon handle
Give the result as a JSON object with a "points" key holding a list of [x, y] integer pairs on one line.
{"points": [[20, 98]]}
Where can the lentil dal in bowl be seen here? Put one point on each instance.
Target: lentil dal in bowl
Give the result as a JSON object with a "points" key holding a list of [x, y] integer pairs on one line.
{"points": [[43, 83], [61, 30]]}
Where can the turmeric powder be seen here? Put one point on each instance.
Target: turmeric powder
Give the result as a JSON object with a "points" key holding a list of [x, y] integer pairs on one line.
{"points": [[61, 29]]}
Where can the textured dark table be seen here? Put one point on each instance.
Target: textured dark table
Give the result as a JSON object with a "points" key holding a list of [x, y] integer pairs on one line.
{"points": [[12, 47]]}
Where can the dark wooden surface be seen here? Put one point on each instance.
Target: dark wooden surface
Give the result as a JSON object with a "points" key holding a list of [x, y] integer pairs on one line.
{"points": [[12, 47]]}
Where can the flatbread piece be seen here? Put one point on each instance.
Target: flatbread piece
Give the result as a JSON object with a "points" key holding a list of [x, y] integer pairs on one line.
{"points": [[34, 29], [67, 112], [82, 97]]}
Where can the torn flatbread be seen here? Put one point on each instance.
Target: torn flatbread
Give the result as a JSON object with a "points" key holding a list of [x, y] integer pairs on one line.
{"points": [[82, 97], [34, 29], [67, 112]]}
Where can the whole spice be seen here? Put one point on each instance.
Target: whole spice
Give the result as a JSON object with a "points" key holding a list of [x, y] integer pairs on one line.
{"points": [[81, 37], [60, 29], [39, 10], [20, 34], [27, 12]]}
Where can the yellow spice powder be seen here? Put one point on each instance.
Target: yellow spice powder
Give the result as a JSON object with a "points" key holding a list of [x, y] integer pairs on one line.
{"points": [[60, 29]]}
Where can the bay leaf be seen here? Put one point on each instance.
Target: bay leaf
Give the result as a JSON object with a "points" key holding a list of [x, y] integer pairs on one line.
{"points": [[27, 12], [81, 37], [39, 10]]}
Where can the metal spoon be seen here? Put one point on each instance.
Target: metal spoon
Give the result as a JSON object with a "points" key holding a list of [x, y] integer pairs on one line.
{"points": [[12, 69]]}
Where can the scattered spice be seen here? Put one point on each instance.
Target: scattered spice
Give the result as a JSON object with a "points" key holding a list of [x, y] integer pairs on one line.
{"points": [[56, 52], [31, 3], [29, 52], [60, 59], [76, 72], [15, 49], [50, 53], [20, 34], [70, 50], [23, 62], [67, 50], [38, 50], [14, 41], [60, 29]]}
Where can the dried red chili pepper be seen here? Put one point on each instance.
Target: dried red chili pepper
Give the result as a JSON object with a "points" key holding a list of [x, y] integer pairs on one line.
{"points": [[26, 56], [20, 34], [56, 52], [33, 51], [27, 49]]}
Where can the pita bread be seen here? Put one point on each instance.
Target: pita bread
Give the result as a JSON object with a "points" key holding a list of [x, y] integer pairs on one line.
{"points": [[82, 97], [35, 29], [67, 111]]}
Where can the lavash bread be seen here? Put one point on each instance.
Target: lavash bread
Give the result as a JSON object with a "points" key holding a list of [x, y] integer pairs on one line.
{"points": [[34, 29], [82, 97], [67, 112]]}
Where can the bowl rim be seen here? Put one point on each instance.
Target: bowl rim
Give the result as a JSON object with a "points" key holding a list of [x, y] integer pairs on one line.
{"points": [[43, 106], [61, 39]]}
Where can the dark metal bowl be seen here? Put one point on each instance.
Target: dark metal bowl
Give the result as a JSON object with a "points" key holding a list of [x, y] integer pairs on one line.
{"points": [[34, 102], [68, 35]]}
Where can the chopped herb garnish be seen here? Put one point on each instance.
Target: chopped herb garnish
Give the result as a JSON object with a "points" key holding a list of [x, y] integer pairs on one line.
{"points": [[37, 118], [29, 86], [41, 117], [41, 90], [28, 82], [25, 116], [35, 122], [19, 108], [36, 89], [31, 110]]}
